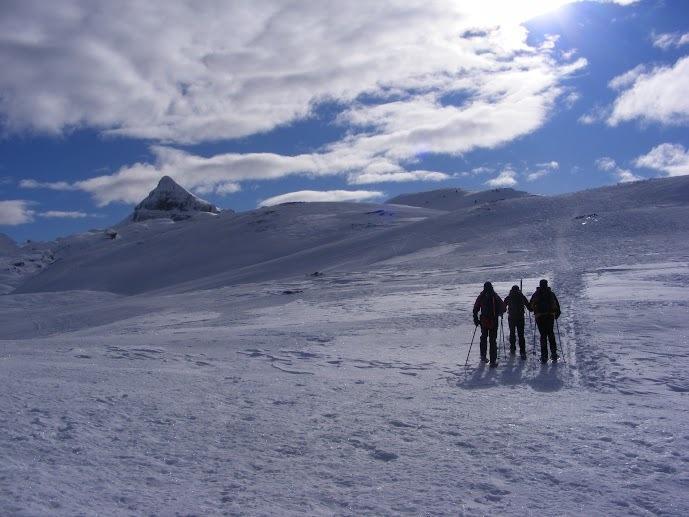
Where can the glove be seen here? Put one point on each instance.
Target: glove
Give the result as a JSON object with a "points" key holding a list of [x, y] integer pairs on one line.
{"points": [[557, 314], [476, 321]]}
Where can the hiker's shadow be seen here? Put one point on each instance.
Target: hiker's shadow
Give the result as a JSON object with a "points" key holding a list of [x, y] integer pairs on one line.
{"points": [[547, 379], [512, 371], [481, 377]]}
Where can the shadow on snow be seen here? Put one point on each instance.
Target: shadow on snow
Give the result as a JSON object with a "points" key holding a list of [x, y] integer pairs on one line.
{"points": [[513, 372]]}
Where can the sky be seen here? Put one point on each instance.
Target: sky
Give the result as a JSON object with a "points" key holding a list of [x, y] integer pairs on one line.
{"points": [[252, 103]]}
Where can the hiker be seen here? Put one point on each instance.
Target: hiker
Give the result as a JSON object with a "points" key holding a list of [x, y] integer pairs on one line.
{"points": [[491, 307], [546, 310], [516, 302]]}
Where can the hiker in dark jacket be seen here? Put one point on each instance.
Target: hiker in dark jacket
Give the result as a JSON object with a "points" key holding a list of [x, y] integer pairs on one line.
{"points": [[546, 310], [516, 302], [491, 308]]}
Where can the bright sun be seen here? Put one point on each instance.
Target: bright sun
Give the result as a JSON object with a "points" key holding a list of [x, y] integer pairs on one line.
{"points": [[527, 9], [519, 11]]}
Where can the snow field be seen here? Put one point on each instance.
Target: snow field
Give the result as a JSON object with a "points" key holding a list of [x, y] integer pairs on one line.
{"points": [[336, 401], [231, 380]]}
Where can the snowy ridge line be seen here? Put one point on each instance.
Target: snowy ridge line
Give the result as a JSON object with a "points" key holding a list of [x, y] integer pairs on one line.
{"points": [[293, 240]]}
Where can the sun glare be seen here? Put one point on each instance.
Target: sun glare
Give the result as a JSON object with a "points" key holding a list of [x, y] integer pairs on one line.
{"points": [[522, 10], [533, 8]]}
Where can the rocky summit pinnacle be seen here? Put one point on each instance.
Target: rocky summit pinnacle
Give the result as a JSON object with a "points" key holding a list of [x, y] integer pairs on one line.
{"points": [[170, 200]]}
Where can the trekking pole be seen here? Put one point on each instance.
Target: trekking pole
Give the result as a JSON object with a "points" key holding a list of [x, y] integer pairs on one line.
{"points": [[472, 344], [533, 329], [502, 334], [559, 338]]}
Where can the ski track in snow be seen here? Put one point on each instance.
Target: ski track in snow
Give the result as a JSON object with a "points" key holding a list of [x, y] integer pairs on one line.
{"points": [[346, 393]]}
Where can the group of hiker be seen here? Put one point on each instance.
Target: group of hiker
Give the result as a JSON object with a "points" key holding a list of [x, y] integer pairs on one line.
{"points": [[543, 303]]}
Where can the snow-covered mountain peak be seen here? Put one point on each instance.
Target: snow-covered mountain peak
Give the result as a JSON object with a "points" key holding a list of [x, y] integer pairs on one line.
{"points": [[170, 200]]}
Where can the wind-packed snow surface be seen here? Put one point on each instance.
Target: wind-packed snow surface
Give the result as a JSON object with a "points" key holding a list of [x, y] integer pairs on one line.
{"points": [[309, 359]]}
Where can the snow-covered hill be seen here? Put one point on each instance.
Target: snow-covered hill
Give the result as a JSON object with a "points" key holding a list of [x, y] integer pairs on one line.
{"points": [[455, 198], [310, 359], [157, 254], [7, 246], [298, 238], [17, 263]]}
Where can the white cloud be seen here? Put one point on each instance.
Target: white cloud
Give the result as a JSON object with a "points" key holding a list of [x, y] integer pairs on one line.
{"points": [[543, 169], [129, 184], [597, 114], [551, 165], [550, 41], [59, 214], [19, 212], [224, 173], [323, 195], [571, 99], [221, 189], [658, 95], [52, 185], [672, 159], [401, 176], [628, 78], [588, 119], [568, 54], [607, 164], [670, 40], [228, 187], [14, 212], [507, 178], [195, 71], [190, 71], [533, 176], [204, 175], [625, 176]]}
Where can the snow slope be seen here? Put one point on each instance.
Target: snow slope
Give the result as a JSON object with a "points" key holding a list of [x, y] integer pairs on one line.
{"points": [[268, 390], [158, 254], [19, 263], [7, 245], [299, 238], [455, 198]]}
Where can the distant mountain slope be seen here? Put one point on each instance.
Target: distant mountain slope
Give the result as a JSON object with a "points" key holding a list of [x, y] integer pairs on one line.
{"points": [[157, 254], [300, 238], [455, 198], [7, 245], [17, 263], [170, 200], [532, 231]]}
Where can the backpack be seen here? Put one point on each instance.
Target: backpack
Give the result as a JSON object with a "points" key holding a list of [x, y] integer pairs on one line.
{"points": [[544, 302], [489, 310], [515, 302]]}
